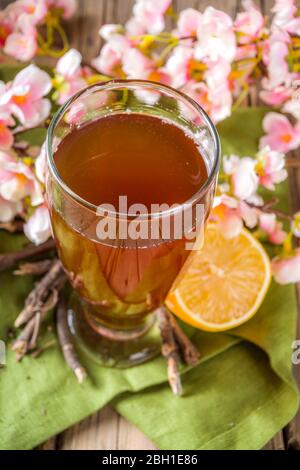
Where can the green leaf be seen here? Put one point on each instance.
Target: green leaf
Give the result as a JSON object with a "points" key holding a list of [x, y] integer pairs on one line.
{"points": [[240, 132], [33, 136], [9, 70]]}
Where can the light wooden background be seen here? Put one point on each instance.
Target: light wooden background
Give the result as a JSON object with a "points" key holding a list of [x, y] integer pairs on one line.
{"points": [[106, 430]]}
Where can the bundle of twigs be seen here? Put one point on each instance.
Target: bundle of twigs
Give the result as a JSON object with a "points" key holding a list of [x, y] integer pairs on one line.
{"points": [[48, 293], [175, 345]]}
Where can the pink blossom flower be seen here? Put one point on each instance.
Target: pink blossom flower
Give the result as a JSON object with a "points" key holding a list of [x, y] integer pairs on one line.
{"points": [[189, 21], [9, 209], [281, 134], [150, 14], [69, 64], [219, 94], [68, 80], [6, 28], [287, 270], [213, 94], [230, 214], [292, 107], [147, 96], [108, 30], [243, 175], [272, 228], [284, 11], [246, 51], [6, 136], [285, 16], [17, 181], [34, 10], [276, 96], [293, 26], [179, 65], [249, 214], [21, 46], [86, 104], [270, 167], [199, 92], [24, 96], [136, 64], [21, 43], [152, 96], [249, 23], [134, 27], [225, 214], [37, 229], [76, 113], [230, 224], [278, 70], [215, 36], [110, 58], [220, 103]]}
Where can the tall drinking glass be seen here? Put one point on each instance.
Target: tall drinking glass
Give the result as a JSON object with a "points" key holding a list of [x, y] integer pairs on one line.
{"points": [[121, 262]]}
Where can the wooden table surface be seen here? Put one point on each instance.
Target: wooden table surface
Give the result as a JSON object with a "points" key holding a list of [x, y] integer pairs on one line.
{"points": [[106, 430]]}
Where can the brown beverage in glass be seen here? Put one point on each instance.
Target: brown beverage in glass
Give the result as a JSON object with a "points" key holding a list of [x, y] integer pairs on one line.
{"points": [[148, 158]]}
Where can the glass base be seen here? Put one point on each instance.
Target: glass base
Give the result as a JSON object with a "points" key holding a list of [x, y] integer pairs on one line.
{"points": [[110, 347]]}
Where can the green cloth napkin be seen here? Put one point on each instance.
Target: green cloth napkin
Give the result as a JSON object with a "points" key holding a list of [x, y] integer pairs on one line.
{"points": [[238, 397]]}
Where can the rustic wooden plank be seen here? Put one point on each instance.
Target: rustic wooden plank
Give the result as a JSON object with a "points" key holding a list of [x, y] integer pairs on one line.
{"points": [[277, 443], [228, 6], [51, 444], [97, 432], [266, 6], [123, 10], [131, 438], [179, 5], [292, 430], [83, 28]]}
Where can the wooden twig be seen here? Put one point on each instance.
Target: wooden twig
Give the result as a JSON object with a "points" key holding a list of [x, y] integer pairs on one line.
{"points": [[38, 351], [270, 203], [170, 350], [268, 208], [65, 340], [27, 339], [35, 269], [21, 344], [9, 260], [36, 330], [44, 295], [189, 351]]}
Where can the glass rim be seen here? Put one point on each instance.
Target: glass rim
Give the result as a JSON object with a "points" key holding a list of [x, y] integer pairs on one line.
{"points": [[121, 83]]}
